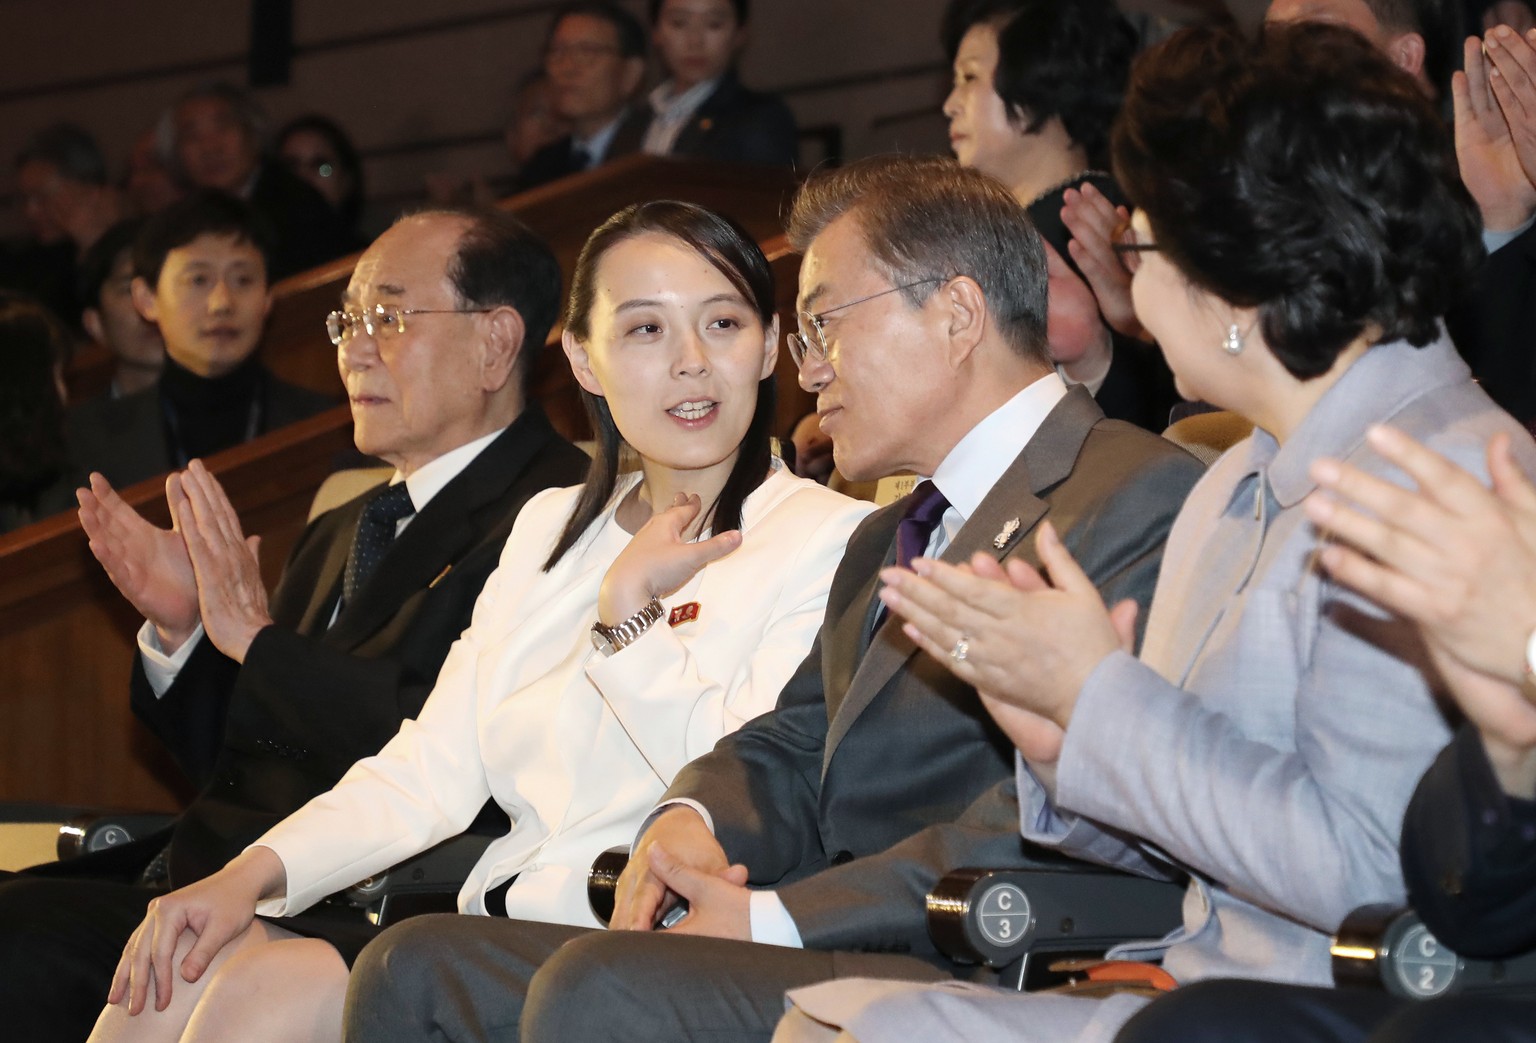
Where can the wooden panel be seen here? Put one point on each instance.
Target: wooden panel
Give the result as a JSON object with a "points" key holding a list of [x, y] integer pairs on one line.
{"points": [[66, 636]]}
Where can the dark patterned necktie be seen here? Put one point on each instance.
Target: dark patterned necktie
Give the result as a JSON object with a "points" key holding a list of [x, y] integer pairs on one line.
{"points": [[924, 511], [375, 532]]}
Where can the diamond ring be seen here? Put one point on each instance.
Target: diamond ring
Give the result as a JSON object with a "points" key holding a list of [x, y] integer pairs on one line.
{"points": [[961, 650]]}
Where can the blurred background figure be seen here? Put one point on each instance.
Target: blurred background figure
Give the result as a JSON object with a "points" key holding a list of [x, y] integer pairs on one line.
{"points": [[701, 108], [66, 203], [36, 479], [595, 61], [215, 136], [148, 181], [109, 317], [317, 150], [534, 124], [1037, 85]]}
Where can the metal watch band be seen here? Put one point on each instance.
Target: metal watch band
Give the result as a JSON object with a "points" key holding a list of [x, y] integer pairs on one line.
{"points": [[624, 633]]}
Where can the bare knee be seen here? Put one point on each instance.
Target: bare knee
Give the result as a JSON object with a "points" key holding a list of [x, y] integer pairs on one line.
{"points": [[291, 989]]}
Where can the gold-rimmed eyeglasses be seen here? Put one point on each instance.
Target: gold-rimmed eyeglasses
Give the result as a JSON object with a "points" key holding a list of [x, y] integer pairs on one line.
{"points": [[811, 342], [341, 326]]}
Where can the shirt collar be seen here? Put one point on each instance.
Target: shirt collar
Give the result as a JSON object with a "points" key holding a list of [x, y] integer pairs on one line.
{"points": [[429, 479], [1383, 380], [669, 105], [596, 144], [978, 460]]}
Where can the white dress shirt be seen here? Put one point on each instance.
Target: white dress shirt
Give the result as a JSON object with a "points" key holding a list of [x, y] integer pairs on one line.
{"points": [[670, 113]]}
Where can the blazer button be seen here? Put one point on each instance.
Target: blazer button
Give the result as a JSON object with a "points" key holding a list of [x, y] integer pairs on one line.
{"points": [[1450, 883], [842, 858]]}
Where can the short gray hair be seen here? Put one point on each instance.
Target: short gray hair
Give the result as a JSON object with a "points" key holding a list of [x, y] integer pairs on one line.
{"points": [[927, 217]]}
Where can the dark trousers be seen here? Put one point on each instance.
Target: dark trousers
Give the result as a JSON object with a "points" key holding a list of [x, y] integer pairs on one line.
{"points": [[465, 978], [60, 940], [1263, 1012]]}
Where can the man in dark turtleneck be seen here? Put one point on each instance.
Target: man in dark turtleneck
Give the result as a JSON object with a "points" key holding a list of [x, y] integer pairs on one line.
{"points": [[200, 273]]}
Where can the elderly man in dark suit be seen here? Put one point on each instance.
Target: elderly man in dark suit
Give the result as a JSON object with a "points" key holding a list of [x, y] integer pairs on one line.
{"points": [[266, 704], [819, 827]]}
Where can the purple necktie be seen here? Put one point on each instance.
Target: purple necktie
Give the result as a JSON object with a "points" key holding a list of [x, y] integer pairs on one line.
{"points": [[925, 507]]}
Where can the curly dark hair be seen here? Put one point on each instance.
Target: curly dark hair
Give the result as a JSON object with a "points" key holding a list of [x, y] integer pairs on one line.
{"points": [[1063, 58], [1303, 175]]}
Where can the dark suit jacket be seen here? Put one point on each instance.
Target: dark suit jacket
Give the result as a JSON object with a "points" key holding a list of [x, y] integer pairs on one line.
{"points": [[125, 438], [312, 698], [879, 771], [555, 161], [1492, 329], [1469, 855], [733, 125]]}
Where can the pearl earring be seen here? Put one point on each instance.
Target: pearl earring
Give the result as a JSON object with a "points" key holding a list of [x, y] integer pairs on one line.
{"points": [[1232, 344]]}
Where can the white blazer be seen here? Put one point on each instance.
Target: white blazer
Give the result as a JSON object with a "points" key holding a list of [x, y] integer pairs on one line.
{"points": [[576, 747]]}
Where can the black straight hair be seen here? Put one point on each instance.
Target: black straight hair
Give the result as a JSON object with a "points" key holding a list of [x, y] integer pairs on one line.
{"points": [[726, 246], [204, 212]]}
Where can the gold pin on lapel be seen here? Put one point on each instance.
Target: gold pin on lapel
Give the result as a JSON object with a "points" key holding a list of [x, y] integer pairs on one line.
{"points": [[446, 569], [1004, 537]]}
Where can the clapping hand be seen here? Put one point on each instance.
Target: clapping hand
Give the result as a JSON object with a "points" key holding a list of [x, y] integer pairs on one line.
{"points": [[148, 565], [1094, 221], [1025, 642], [232, 597], [1488, 149]]}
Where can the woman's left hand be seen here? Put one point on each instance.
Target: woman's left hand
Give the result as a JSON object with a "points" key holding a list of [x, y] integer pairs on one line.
{"points": [[1020, 640], [659, 560]]}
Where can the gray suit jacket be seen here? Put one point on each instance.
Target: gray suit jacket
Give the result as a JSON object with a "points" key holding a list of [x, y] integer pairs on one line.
{"points": [[879, 771], [1276, 723]]}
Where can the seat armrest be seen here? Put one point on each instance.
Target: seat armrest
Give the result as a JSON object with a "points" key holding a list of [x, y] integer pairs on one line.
{"points": [[97, 831], [1388, 947], [1002, 917], [429, 882], [603, 882]]}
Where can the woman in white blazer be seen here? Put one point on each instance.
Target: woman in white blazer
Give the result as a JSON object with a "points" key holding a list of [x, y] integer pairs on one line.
{"points": [[632, 622]]}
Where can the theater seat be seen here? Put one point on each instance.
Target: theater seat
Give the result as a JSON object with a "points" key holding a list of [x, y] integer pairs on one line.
{"points": [[1388, 947]]}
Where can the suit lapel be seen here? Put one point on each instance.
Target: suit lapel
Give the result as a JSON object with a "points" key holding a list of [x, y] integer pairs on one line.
{"points": [[1016, 496], [442, 532]]}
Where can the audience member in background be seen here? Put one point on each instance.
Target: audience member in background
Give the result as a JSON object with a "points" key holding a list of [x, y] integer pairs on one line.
{"points": [[1517, 14], [200, 274], [319, 151], [701, 107], [35, 475], [671, 335], [216, 137], [595, 60], [877, 771], [148, 180], [532, 126], [1302, 226], [1460, 562], [266, 703], [109, 315], [1037, 85], [62, 180], [66, 203]]}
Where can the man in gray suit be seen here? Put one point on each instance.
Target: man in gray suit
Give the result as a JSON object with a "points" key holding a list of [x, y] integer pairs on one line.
{"points": [[819, 827]]}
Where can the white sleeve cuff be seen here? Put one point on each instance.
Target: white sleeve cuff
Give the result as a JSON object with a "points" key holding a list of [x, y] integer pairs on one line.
{"points": [[695, 805], [771, 922], [161, 669]]}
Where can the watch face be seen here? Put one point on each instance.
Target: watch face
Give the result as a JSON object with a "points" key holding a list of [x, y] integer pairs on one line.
{"points": [[602, 642]]}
